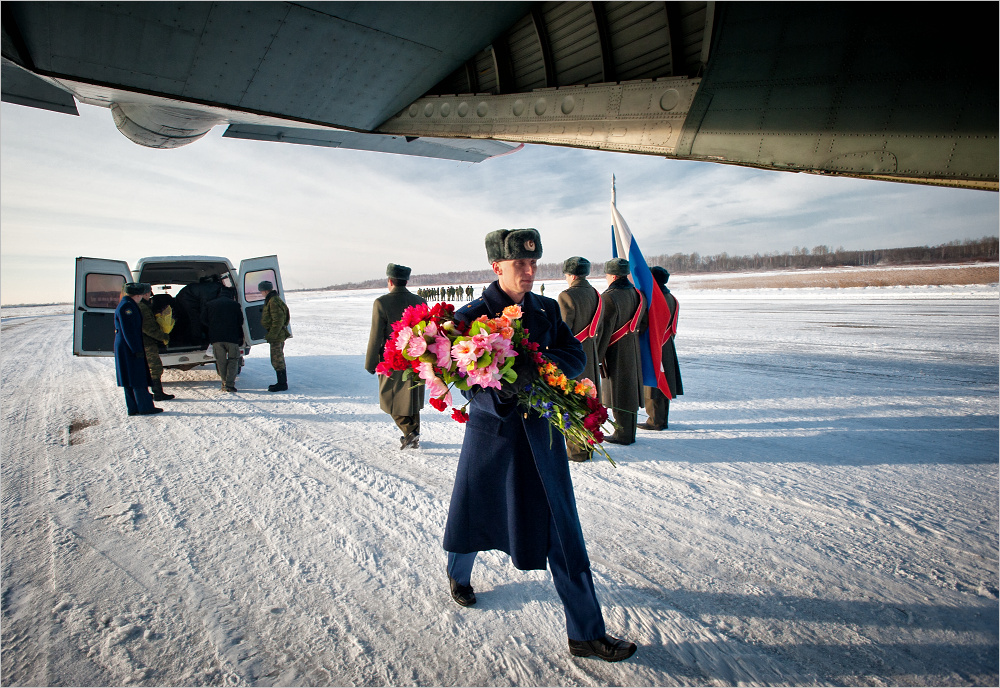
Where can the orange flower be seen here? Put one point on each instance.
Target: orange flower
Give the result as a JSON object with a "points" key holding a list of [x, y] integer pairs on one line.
{"points": [[512, 312], [507, 332]]}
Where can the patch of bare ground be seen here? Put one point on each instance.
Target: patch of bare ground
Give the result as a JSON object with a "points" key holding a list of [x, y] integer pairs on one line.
{"points": [[859, 277]]}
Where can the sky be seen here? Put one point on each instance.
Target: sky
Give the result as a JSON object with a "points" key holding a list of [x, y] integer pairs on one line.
{"points": [[74, 186]]}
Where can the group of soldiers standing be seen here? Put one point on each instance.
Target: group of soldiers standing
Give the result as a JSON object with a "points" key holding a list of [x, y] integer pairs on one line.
{"points": [[607, 325], [447, 293]]}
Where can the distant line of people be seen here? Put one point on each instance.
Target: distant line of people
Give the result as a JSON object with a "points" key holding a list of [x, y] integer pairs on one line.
{"points": [[449, 293], [213, 317]]}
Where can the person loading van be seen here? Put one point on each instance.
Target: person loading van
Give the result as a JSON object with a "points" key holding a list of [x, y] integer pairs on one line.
{"points": [[274, 318]]}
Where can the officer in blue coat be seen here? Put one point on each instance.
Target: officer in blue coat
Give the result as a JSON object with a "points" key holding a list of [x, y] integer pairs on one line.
{"points": [[513, 490], [130, 355]]}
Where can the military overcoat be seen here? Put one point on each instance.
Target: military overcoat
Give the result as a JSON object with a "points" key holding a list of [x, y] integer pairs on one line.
{"points": [[513, 474], [130, 356], [578, 304], [668, 353], [396, 396], [623, 387]]}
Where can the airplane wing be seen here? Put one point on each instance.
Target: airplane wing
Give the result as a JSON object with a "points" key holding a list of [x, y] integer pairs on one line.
{"points": [[874, 90], [465, 150]]}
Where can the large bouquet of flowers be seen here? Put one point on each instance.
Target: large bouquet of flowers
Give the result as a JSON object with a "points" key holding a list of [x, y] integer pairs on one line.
{"points": [[429, 343]]}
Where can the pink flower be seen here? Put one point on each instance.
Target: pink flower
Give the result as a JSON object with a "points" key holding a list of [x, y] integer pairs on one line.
{"points": [[485, 377], [405, 334], [437, 389], [464, 353], [484, 342], [416, 346], [425, 370], [441, 347]]}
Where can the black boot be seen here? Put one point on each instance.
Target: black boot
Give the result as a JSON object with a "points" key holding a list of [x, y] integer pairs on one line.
{"points": [[608, 648], [158, 393], [282, 384]]}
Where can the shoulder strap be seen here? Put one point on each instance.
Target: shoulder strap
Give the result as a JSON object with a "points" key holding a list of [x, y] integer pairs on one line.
{"points": [[632, 324], [591, 329]]}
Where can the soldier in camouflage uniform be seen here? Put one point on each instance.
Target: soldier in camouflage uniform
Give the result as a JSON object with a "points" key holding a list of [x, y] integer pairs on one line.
{"points": [[152, 336], [274, 317]]}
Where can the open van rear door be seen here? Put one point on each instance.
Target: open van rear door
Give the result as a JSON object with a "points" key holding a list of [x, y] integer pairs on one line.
{"points": [[253, 271], [98, 290]]}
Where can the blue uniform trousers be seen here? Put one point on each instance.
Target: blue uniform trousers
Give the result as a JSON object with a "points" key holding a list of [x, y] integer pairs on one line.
{"points": [[584, 620], [138, 400]]}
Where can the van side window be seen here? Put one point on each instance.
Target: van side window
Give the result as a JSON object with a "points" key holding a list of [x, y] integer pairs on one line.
{"points": [[103, 291], [250, 282]]}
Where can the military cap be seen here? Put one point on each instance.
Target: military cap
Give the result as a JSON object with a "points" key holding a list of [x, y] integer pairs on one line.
{"points": [[265, 286], [513, 244], [617, 267], [576, 265], [399, 272], [135, 288], [660, 274]]}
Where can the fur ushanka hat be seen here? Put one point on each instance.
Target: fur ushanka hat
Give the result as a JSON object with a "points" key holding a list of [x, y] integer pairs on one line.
{"points": [[617, 267], [576, 265], [136, 288], [399, 272], [513, 244], [660, 274]]}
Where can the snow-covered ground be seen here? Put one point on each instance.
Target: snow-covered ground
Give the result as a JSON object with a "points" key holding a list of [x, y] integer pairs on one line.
{"points": [[822, 510]]}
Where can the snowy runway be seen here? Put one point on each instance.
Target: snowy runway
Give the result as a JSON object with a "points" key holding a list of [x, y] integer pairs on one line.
{"points": [[823, 510]]}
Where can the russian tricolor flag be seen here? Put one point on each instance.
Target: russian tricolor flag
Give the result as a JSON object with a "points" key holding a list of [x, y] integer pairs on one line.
{"points": [[650, 341]]}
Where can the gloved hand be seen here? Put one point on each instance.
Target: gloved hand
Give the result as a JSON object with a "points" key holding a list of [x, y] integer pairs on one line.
{"points": [[527, 372]]}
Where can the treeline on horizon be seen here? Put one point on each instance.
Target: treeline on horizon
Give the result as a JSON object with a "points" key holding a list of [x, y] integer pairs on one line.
{"points": [[965, 251]]}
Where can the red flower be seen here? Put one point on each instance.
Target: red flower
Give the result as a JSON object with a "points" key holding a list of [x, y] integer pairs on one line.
{"points": [[439, 404], [393, 359], [459, 415]]}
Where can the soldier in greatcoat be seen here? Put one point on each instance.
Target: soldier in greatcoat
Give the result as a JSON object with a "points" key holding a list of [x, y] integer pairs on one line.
{"points": [[513, 491], [618, 349], [657, 403], [131, 370], [152, 336], [580, 306], [401, 399]]}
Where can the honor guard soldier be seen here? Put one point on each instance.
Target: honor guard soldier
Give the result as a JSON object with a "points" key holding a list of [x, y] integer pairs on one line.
{"points": [[618, 348], [580, 304], [513, 491], [658, 403], [401, 399]]}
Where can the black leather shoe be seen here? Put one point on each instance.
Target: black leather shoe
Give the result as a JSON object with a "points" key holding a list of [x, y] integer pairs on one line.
{"points": [[462, 594], [155, 409], [649, 426], [608, 648]]}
